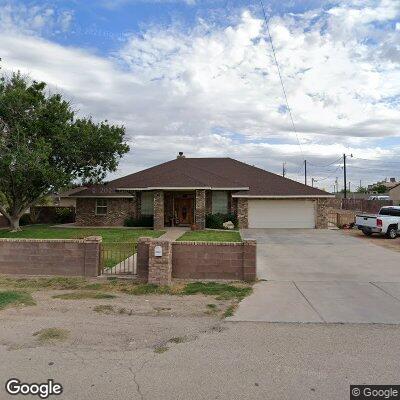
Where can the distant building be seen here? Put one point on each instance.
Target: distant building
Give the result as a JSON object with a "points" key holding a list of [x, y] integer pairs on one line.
{"points": [[389, 184]]}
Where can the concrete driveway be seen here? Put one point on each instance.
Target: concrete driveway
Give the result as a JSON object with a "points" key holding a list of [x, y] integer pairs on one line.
{"points": [[322, 276]]}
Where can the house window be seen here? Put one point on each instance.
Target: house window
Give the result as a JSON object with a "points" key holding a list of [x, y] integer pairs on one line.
{"points": [[101, 207], [147, 207], [219, 202]]}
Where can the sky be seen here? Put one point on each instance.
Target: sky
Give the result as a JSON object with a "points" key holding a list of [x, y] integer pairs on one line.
{"points": [[199, 76]]}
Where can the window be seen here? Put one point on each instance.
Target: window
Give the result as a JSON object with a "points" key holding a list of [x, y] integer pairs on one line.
{"points": [[101, 207], [394, 212], [147, 207], [219, 202]]}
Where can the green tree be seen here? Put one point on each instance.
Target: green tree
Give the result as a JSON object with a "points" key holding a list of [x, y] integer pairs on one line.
{"points": [[362, 189], [44, 146], [380, 189]]}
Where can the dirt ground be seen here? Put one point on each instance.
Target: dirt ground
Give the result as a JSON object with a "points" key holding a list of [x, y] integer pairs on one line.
{"points": [[392, 244], [125, 322]]}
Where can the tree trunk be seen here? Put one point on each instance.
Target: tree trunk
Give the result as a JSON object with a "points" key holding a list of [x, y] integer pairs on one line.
{"points": [[14, 222]]}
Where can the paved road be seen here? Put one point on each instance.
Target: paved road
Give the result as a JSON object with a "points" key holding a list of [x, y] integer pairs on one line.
{"points": [[238, 361], [322, 276]]}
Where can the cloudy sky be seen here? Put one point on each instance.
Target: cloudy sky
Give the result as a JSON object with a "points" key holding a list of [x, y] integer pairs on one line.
{"points": [[199, 76]]}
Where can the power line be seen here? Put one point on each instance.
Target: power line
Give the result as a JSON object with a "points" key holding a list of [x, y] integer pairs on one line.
{"points": [[326, 165], [280, 76]]}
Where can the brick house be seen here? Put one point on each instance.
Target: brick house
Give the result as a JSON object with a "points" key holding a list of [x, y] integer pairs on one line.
{"points": [[183, 191]]}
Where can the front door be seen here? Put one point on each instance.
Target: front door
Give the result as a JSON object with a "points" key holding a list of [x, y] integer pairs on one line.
{"points": [[183, 211]]}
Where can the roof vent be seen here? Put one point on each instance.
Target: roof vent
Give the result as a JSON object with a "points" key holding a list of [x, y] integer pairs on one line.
{"points": [[180, 155]]}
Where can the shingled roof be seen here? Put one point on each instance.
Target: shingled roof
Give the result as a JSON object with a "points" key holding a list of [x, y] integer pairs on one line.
{"points": [[206, 173]]}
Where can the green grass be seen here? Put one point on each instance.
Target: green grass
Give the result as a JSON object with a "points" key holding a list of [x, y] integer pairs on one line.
{"points": [[14, 298], [84, 295], [223, 291], [109, 235], [211, 236], [51, 335], [229, 311]]}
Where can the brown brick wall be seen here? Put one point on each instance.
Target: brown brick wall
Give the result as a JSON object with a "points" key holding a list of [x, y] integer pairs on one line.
{"points": [[200, 211], [160, 267], [142, 259], [322, 210], [158, 209], [232, 261], [50, 257], [196, 260], [243, 213], [117, 211]]}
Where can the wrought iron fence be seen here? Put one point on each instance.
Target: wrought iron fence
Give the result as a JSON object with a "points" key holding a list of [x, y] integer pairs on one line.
{"points": [[118, 259]]}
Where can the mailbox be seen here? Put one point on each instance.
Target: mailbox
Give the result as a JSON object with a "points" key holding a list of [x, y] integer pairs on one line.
{"points": [[158, 251]]}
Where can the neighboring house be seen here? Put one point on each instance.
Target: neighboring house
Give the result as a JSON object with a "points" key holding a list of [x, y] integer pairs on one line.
{"points": [[183, 191], [389, 184], [394, 193], [64, 199]]}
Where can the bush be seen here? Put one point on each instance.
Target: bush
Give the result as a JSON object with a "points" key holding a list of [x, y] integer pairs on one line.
{"points": [[25, 220], [216, 221], [145, 221], [63, 216]]}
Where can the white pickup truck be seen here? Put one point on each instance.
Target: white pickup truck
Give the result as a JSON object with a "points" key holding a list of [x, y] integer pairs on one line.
{"points": [[387, 222]]}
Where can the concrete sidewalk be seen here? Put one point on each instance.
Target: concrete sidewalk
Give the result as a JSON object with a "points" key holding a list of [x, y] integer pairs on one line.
{"points": [[173, 233]]}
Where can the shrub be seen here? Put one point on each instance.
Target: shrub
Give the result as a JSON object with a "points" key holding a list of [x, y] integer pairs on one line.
{"points": [[216, 221], [143, 221], [25, 220], [63, 216]]}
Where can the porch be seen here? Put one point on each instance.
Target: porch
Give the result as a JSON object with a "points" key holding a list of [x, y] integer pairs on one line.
{"points": [[181, 208]]}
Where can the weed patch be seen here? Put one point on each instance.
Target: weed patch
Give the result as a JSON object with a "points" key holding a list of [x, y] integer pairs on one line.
{"points": [[84, 295], [51, 335], [104, 309], [15, 298], [161, 349], [223, 291]]}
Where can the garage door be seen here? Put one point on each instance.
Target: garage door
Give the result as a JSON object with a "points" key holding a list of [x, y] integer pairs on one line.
{"points": [[281, 214]]}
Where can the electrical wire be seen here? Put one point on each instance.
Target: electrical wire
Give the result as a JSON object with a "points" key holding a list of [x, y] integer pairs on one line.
{"points": [[280, 76], [324, 166]]}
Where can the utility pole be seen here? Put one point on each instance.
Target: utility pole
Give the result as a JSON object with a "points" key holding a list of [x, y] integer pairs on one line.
{"points": [[284, 169], [349, 187], [337, 185], [312, 182], [305, 172], [345, 176]]}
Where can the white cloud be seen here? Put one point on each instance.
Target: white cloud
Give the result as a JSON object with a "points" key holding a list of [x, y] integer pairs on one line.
{"points": [[215, 91]]}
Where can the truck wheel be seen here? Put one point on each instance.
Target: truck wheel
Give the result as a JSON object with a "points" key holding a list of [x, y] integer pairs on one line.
{"points": [[367, 232], [391, 232]]}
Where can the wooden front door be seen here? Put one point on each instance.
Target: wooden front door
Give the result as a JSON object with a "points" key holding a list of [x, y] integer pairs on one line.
{"points": [[183, 211]]}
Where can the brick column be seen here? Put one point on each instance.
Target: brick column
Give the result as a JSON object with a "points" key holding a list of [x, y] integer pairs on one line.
{"points": [[142, 259], [249, 260], [200, 213], [92, 255], [159, 209], [160, 267], [243, 213], [321, 214]]}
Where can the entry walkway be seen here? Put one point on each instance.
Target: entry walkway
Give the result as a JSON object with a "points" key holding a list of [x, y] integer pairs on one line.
{"points": [[173, 233]]}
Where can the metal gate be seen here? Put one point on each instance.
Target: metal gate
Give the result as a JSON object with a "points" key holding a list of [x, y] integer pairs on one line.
{"points": [[118, 258]]}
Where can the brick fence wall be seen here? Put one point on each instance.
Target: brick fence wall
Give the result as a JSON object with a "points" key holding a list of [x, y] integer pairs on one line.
{"points": [[198, 260], [70, 257]]}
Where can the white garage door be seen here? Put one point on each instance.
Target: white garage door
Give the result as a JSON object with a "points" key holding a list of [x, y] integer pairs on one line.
{"points": [[281, 214]]}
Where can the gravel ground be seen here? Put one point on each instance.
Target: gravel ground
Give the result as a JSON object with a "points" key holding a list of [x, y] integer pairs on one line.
{"points": [[392, 244], [184, 353]]}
